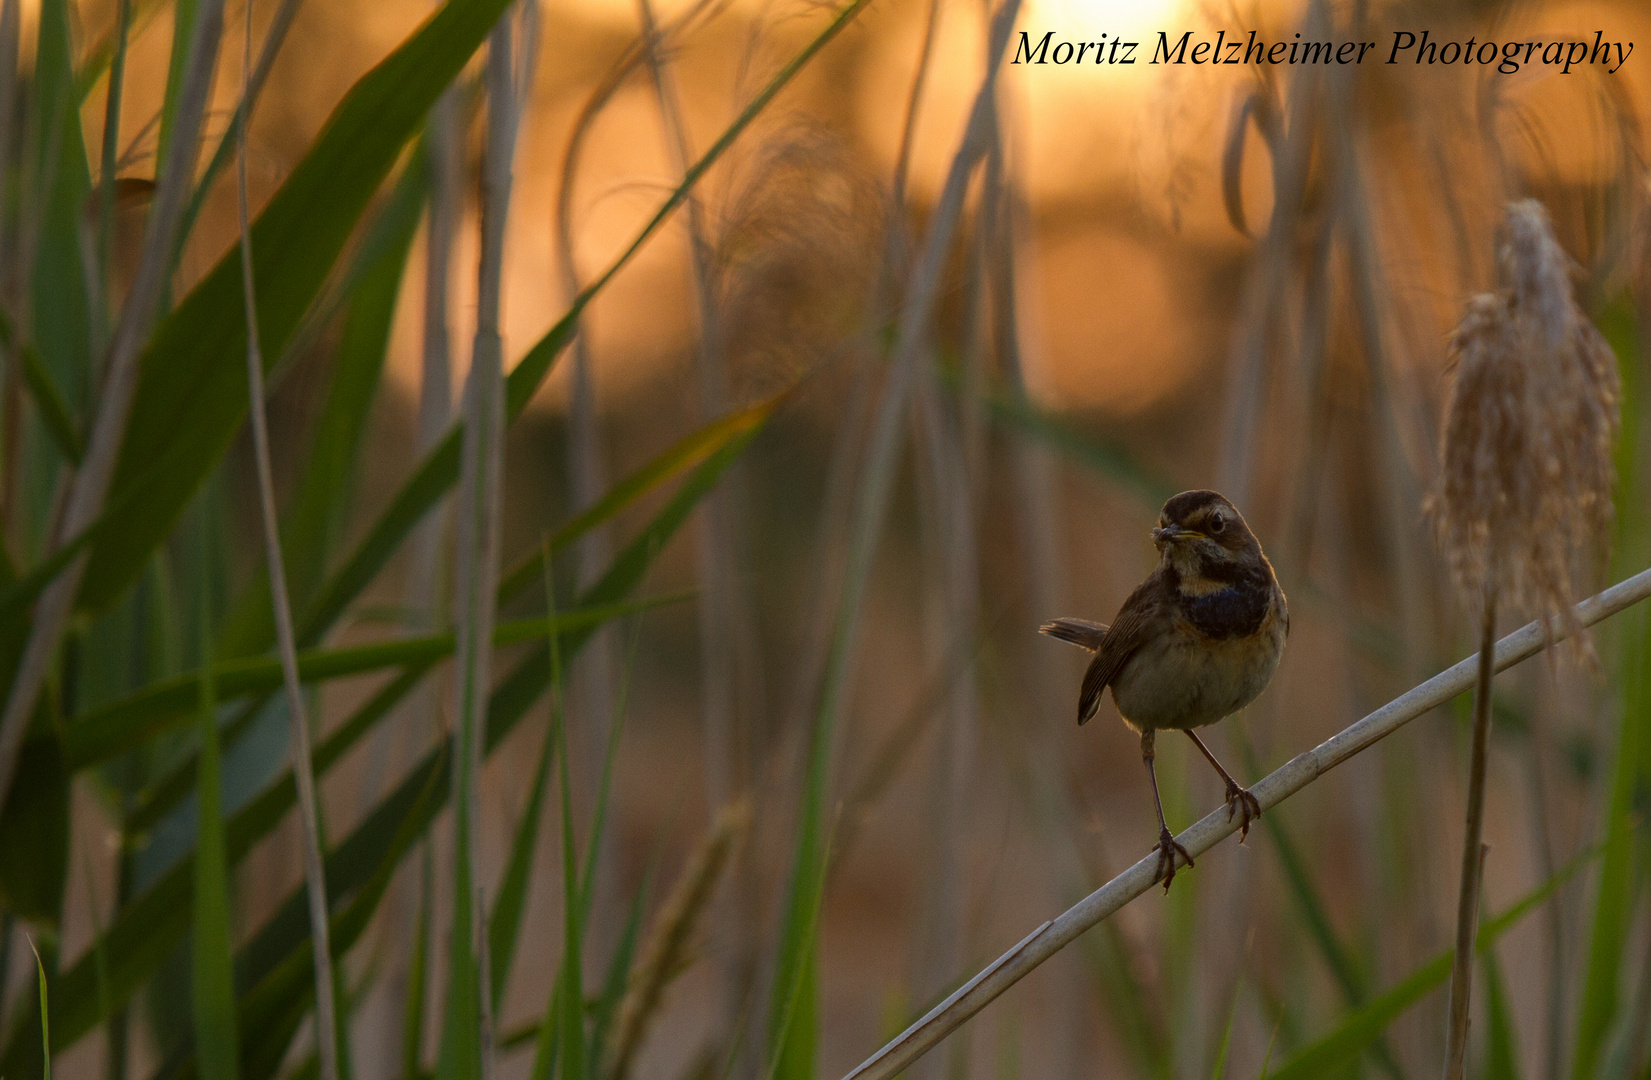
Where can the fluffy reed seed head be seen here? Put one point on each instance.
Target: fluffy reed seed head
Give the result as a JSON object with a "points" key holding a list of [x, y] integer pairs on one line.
{"points": [[794, 254], [1524, 493]]}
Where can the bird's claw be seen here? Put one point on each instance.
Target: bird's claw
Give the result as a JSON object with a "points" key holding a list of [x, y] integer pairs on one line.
{"points": [[1240, 799], [1167, 850]]}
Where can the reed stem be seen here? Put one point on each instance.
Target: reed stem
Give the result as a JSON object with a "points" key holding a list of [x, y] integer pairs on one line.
{"points": [[303, 770], [1473, 858]]}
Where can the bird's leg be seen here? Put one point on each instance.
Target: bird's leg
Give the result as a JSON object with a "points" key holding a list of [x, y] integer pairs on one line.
{"points": [[1167, 847], [1239, 799]]}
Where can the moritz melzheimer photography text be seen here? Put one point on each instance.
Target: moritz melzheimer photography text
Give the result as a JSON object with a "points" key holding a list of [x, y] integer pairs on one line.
{"points": [[1405, 47]]}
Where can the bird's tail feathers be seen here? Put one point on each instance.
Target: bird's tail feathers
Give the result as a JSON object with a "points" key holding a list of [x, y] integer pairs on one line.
{"points": [[1080, 632]]}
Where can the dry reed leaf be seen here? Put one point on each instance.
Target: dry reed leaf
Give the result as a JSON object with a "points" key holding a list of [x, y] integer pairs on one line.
{"points": [[1525, 489]]}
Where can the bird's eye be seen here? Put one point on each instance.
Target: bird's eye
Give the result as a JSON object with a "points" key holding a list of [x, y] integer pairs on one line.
{"points": [[1217, 522]]}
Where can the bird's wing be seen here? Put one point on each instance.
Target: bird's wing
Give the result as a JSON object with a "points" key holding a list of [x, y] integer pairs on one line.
{"points": [[1127, 634], [1080, 632]]}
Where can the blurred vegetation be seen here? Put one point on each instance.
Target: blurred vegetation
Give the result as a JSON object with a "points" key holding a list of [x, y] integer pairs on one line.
{"points": [[682, 716]]}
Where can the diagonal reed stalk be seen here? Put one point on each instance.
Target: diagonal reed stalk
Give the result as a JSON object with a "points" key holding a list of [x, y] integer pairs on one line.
{"points": [[315, 880], [90, 485], [1283, 782]]}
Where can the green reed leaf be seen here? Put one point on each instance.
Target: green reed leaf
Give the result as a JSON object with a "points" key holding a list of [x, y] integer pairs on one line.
{"points": [[110, 730], [1360, 1027], [212, 982]]}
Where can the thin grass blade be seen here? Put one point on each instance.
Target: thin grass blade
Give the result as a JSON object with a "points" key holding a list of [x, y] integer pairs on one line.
{"points": [[1501, 1044], [418, 973], [212, 982], [506, 919], [45, 1012]]}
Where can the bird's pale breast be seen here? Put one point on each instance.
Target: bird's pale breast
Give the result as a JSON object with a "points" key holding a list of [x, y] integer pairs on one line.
{"points": [[1186, 677]]}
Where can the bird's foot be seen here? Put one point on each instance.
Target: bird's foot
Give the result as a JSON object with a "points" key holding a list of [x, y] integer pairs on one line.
{"points": [[1168, 849], [1239, 800]]}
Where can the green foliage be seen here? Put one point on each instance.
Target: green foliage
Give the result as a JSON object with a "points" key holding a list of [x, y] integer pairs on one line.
{"points": [[1617, 891], [157, 703], [184, 14], [189, 404], [1360, 1028], [418, 974], [34, 832], [570, 1018], [1502, 1046], [45, 1011], [61, 313], [128, 722], [277, 965], [170, 736], [191, 395], [505, 921], [43, 391], [313, 525], [213, 977], [1131, 1008], [144, 931], [1311, 910]]}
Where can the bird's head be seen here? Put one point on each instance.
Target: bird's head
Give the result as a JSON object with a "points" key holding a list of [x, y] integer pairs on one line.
{"points": [[1199, 530]]}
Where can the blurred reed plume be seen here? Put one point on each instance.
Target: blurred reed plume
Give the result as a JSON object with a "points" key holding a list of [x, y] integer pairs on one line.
{"points": [[1525, 484], [1524, 488], [794, 252]]}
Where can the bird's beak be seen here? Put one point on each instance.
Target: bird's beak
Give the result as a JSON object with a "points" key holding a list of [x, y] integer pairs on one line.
{"points": [[1169, 534]]}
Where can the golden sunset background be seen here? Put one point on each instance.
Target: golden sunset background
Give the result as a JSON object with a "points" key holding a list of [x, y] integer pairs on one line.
{"points": [[1161, 278]]}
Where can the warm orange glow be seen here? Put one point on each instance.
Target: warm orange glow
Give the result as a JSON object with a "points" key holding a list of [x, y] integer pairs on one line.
{"points": [[1131, 20]]}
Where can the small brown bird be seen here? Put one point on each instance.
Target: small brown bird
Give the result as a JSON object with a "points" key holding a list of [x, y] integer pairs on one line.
{"points": [[1196, 642]]}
